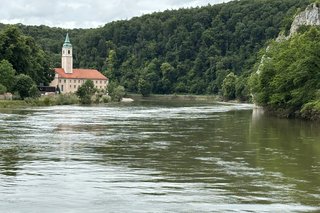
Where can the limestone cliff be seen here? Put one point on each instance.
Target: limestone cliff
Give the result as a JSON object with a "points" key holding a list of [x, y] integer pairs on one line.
{"points": [[309, 17]]}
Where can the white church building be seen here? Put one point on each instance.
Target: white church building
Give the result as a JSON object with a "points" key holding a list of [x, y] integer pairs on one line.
{"points": [[69, 79]]}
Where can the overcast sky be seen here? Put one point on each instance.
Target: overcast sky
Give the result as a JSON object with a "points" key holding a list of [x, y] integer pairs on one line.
{"points": [[85, 13]]}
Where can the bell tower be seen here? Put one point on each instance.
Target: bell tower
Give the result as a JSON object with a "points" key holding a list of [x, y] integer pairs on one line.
{"points": [[66, 59]]}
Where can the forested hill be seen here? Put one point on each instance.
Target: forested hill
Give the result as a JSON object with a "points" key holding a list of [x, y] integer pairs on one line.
{"points": [[178, 51]]}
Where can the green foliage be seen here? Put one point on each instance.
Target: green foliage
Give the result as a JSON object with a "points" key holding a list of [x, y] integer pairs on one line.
{"points": [[7, 74], [86, 91], [24, 55], [242, 89], [119, 93], [311, 110], [202, 45], [144, 87], [3, 89], [34, 92], [23, 84], [62, 99], [229, 86], [116, 92], [290, 75]]}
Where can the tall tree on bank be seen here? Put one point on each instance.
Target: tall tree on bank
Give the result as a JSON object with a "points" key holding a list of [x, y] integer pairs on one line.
{"points": [[7, 74]]}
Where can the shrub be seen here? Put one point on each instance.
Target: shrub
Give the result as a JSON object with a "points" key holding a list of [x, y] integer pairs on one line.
{"points": [[23, 84], [34, 92]]}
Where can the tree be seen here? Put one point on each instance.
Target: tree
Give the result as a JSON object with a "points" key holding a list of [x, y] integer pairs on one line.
{"points": [[3, 89], [23, 84], [229, 86], [86, 91], [7, 74], [25, 56], [34, 92], [289, 77], [117, 92], [144, 87]]}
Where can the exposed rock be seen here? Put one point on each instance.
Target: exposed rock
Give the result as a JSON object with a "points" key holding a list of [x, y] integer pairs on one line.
{"points": [[127, 100], [309, 17]]}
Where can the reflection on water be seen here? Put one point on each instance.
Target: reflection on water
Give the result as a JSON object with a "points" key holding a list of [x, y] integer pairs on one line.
{"points": [[157, 157]]}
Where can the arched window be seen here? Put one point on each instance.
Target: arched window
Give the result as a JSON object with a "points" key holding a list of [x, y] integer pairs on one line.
{"points": [[68, 51]]}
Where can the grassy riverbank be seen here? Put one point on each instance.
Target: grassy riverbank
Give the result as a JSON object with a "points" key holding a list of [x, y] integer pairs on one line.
{"points": [[42, 101], [10, 104]]}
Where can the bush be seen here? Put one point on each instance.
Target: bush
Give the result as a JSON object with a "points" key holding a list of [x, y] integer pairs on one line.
{"points": [[311, 111], [34, 92], [63, 99], [23, 84], [66, 99]]}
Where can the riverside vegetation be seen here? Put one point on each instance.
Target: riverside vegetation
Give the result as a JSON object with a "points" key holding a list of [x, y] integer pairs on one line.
{"points": [[204, 50]]}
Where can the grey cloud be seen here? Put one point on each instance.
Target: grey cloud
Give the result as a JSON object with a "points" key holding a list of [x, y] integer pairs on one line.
{"points": [[85, 13]]}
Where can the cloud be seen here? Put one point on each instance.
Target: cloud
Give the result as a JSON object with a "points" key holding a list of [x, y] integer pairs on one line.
{"points": [[85, 13]]}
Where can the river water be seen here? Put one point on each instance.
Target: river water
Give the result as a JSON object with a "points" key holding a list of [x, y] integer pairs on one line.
{"points": [[157, 157]]}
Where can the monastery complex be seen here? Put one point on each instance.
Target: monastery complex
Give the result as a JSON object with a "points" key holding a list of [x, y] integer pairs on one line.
{"points": [[68, 79]]}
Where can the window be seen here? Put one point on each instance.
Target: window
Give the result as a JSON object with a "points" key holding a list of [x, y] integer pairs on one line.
{"points": [[100, 82], [62, 88], [68, 51], [65, 81], [75, 81], [79, 81], [70, 86], [70, 81], [74, 86]]}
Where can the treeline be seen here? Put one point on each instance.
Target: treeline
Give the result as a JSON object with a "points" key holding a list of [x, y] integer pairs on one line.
{"points": [[179, 51]]}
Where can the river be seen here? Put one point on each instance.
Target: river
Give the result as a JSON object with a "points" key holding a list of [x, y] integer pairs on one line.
{"points": [[157, 157]]}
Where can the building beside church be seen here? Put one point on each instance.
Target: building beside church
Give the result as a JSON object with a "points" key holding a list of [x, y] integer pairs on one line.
{"points": [[69, 79]]}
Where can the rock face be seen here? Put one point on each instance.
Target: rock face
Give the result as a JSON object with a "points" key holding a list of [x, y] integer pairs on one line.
{"points": [[309, 17]]}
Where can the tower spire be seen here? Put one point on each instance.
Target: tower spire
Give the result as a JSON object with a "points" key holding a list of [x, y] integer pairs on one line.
{"points": [[67, 41]]}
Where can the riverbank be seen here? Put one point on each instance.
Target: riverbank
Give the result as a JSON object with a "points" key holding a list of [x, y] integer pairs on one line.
{"points": [[309, 112], [175, 97], [9, 104]]}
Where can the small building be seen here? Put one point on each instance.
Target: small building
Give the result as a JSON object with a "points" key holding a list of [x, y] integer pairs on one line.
{"points": [[68, 79]]}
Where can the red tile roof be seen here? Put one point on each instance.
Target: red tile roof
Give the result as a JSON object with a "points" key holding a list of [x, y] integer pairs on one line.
{"points": [[81, 74]]}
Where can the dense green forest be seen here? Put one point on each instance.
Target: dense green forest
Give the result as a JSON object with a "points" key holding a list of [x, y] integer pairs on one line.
{"points": [[177, 51], [288, 81], [23, 64]]}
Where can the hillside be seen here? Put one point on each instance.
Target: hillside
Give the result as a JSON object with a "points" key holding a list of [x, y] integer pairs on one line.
{"points": [[179, 51], [287, 81]]}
